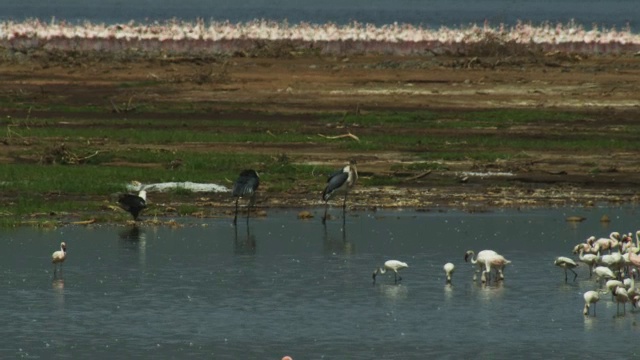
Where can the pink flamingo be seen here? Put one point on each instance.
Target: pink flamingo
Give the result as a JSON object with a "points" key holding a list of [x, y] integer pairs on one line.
{"points": [[58, 257]]}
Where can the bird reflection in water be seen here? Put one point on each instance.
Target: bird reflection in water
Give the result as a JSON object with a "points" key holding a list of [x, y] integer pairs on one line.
{"points": [[338, 244], [491, 292], [245, 245], [134, 238], [448, 291], [57, 284], [393, 291]]}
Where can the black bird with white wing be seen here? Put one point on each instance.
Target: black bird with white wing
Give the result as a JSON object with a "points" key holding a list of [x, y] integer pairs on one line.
{"points": [[133, 204]]}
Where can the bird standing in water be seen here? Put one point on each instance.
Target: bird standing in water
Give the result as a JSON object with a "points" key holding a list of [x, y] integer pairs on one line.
{"points": [[58, 257], [246, 185], [448, 270], [340, 182], [391, 265]]}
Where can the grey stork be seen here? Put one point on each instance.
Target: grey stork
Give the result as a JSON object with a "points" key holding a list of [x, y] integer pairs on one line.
{"points": [[246, 185], [339, 183]]}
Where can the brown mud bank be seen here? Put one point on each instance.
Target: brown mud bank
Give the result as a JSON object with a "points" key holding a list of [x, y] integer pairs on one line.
{"points": [[603, 89]]}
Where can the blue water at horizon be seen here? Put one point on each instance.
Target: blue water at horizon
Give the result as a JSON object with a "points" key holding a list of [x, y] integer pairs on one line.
{"points": [[428, 13]]}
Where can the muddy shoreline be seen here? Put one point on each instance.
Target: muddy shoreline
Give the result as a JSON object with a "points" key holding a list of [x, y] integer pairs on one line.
{"points": [[602, 88]]}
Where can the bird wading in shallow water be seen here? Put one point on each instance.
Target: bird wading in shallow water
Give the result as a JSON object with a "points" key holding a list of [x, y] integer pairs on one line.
{"points": [[567, 264], [58, 257], [590, 297], [245, 186], [448, 270], [391, 265], [133, 204], [486, 260], [340, 182]]}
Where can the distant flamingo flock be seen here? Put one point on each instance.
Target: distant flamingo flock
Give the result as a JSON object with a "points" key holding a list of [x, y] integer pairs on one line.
{"points": [[227, 37]]}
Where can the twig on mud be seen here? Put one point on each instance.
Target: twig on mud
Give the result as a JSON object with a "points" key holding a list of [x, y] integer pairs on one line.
{"points": [[349, 135], [115, 108], [419, 176]]}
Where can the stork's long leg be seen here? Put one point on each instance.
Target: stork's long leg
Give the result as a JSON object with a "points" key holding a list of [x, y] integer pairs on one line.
{"points": [[251, 201], [235, 218], [324, 218]]}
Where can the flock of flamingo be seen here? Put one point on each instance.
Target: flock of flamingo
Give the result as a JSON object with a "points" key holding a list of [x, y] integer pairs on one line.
{"points": [[225, 37], [618, 268]]}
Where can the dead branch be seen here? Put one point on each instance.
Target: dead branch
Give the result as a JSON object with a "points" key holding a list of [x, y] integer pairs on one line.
{"points": [[419, 176], [347, 135]]}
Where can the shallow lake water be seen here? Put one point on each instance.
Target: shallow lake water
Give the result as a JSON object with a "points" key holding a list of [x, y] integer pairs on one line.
{"points": [[284, 286]]}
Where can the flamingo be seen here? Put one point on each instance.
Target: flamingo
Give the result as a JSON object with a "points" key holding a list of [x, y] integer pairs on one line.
{"points": [[340, 182], [583, 246], [246, 185], [603, 272], [567, 264], [588, 259], [480, 259], [628, 245], [614, 261], [391, 265], [613, 283], [448, 270], [621, 296], [58, 257], [499, 262], [487, 258], [590, 297], [609, 243]]}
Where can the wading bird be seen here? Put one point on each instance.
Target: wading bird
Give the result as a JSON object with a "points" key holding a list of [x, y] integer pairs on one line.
{"points": [[621, 296], [448, 270], [391, 265], [58, 257], [246, 185], [486, 260], [340, 182], [590, 297], [133, 204], [589, 259], [567, 264]]}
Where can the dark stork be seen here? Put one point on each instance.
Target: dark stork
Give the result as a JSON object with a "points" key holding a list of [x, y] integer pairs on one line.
{"points": [[339, 183], [246, 185], [133, 204]]}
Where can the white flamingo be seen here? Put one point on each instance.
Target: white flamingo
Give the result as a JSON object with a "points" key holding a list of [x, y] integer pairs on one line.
{"points": [[612, 284], [485, 260], [391, 265], [603, 272], [621, 296], [479, 260], [590, 297], [588, 259], [58, 257], [448, 270], [567, 264]]}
